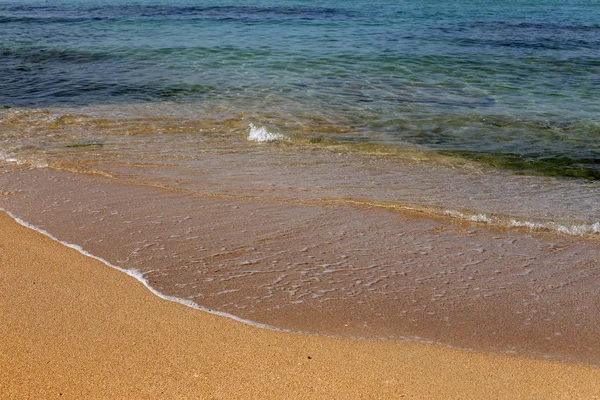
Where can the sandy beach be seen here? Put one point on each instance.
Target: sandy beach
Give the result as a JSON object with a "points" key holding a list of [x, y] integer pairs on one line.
{"points": [[299, 199], [75, 328]]}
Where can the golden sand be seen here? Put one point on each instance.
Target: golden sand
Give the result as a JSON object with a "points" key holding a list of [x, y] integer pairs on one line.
{"points": [[71, 327]]}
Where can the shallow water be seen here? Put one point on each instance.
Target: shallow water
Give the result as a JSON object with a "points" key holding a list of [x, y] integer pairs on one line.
{"points": [[323, 240], [512, 85], [402, 172]]}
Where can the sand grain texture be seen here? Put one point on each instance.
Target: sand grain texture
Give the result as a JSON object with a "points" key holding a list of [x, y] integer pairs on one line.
{"points": [[75, 328]]}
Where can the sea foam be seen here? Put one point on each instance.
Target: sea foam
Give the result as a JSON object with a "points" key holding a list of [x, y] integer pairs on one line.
{"points": [[138, 275], [569, 229], [8, 158], [32, 163], [261, 134]]}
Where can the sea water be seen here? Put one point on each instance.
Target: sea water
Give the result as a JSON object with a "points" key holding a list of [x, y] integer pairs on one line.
{"points": [[511, 83], [382, 169]]}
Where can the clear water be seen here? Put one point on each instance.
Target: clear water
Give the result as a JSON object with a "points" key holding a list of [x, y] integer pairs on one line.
{"points": [[510, 83]]}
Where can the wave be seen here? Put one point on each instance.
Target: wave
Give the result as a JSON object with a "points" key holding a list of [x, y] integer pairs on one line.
{"points": [[28, 162], [261, 134], [66, 14], [575, 229], [136, 274]]}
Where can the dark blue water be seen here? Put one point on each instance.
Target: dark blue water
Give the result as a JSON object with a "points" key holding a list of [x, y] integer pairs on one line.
{"points": [[514, 84]]}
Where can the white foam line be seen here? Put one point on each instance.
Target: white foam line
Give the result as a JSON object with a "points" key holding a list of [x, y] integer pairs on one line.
{"points": [[134, 273], [138, 276], [575, 230]]}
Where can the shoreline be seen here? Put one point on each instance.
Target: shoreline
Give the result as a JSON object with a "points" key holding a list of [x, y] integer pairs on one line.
{"points": [[139, 276], [337, 271], [78, 329]]}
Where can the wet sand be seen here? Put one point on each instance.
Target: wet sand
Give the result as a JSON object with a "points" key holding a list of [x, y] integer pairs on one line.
{"points": [[75, 328], [328, 267]]}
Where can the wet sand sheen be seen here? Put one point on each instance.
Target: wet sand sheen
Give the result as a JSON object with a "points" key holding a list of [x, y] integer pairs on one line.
{"points": [[332, 269], [74, 328]]}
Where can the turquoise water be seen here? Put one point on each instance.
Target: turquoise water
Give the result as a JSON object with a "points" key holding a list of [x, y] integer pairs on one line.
{"points": [[514, 84]]}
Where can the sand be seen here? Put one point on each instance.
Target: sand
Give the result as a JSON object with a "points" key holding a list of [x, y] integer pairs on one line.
{"points": [[74, 328]]}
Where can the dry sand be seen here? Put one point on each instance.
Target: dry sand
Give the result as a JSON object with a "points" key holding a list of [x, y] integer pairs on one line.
{"points": [[71, 327]]}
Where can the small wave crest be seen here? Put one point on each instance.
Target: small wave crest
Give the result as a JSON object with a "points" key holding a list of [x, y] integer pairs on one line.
{"points": [[31, 163], [261, 134], [8, 158], [569, 229]]}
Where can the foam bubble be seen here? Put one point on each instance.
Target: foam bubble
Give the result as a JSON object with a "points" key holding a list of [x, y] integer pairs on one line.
{"points": [[481, 218], [261, 134], [33, 163], [574, 229], [7, 158], [580, 229], [474, 218]]}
